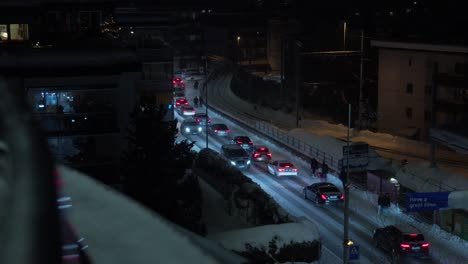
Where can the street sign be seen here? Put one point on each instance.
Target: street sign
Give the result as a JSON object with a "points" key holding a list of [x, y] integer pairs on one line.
{"points": [[426, 201], [353, 252]]}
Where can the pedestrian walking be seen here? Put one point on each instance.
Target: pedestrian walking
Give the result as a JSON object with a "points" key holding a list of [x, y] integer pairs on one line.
{"points": [[313, 165], [324, 171], [384, 201], [195, 101]]}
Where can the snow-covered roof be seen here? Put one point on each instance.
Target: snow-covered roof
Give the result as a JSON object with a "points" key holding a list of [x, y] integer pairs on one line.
{"points": [[119, 230]]}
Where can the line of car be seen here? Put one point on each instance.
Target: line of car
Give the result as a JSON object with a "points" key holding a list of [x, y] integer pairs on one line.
{"points": [[399, 240]]}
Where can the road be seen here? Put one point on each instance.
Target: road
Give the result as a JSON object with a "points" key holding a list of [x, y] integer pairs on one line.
{"points": [[287, 191]]}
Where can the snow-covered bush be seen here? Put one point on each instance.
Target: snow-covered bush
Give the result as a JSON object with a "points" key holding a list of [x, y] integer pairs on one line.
{"points": [[244, 197]]}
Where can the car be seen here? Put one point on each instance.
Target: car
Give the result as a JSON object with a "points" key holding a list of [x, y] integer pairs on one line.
{"points": [[236, 155], [261, 154], [186, 110], [190, 127], [401, 241], [179, 94], [202, 118], [323, 193], [219, 130], [243, 141], [180, 102], [282, 168], [178, 83]]}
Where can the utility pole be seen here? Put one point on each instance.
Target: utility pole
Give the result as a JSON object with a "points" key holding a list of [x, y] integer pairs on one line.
{"points": [[434, 112], [346, 196], [206, 100], [282, 67], [297, 46], [361, 81]]}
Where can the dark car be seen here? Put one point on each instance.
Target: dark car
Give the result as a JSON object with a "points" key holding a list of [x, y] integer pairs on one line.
{"points": [[202, 118], [190, 127], [243, 141], [401, 241], [261, 153], [323, 193], [236, 155], [219, 130]]}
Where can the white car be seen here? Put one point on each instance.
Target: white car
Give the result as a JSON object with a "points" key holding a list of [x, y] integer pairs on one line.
{"points": [[187, 111], [282, 168]]}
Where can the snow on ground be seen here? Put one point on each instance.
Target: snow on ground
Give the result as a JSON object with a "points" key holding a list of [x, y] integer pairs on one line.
{"points": [[262, 235], [118, 230]]}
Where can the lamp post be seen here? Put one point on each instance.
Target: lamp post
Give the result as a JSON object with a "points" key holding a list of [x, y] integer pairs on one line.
{"points": [[238, 49], [346, 196], [205, 86]]}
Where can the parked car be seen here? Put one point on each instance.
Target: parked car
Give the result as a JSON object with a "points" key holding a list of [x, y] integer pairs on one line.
{"points": [[181, 102], [323, 193], [219, 130], [243, 141], [190, 127], [236, 155], [282, 168], [202, 118], [401, 241], [186, 110], [261, 154]]}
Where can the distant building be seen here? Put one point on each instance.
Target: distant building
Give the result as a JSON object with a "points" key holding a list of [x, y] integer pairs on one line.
{"points": [[406, 87], [82, 81]]}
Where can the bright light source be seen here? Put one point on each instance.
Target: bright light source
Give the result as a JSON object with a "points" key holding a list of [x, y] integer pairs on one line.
{"points": [[187, 129], [131, 32], [393, 180], [199, 129], [41, 106], [248, 162], [238, 38], [233, 163]]}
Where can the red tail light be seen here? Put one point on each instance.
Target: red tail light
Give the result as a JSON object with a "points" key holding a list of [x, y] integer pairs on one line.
{"points": [[402, 245], [294, 169], [186, 103], [198, 120], [262, 149], [256, 155], [239, 142], [413, 235], [280, 169], [323, 196], [269, 155], [177, 103], [287, 166], [425, 245], [209, 120], [216, 130], [228, 131], [173, 82], [342, 197], [250, 142]]}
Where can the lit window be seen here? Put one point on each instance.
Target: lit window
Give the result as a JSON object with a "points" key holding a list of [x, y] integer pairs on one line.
{"points": [[19, 32], [3, 32]]}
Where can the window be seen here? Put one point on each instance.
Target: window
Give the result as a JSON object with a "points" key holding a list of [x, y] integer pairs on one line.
{"points": [[461, 68], [3, 32], [428, 89], [427, 115], [409, 112], [14, 32], [409, 88]]}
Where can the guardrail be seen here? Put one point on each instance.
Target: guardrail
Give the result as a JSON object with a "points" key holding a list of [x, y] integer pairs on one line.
{"points": [[278, 135]]}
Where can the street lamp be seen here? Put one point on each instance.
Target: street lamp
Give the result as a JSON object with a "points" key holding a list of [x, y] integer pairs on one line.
{"points": [[206, 99], [238, 49]]}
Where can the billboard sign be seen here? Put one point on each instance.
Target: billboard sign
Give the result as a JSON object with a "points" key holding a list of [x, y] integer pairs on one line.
{"points": [[426, 201]]}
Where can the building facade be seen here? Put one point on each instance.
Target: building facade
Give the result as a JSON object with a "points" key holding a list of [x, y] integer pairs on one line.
{"points": [[406, 87]]}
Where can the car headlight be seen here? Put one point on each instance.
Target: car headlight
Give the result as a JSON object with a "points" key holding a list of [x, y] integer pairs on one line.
{"points": [[248, 162], [187, 129], [199, 129], [233, 163]]}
